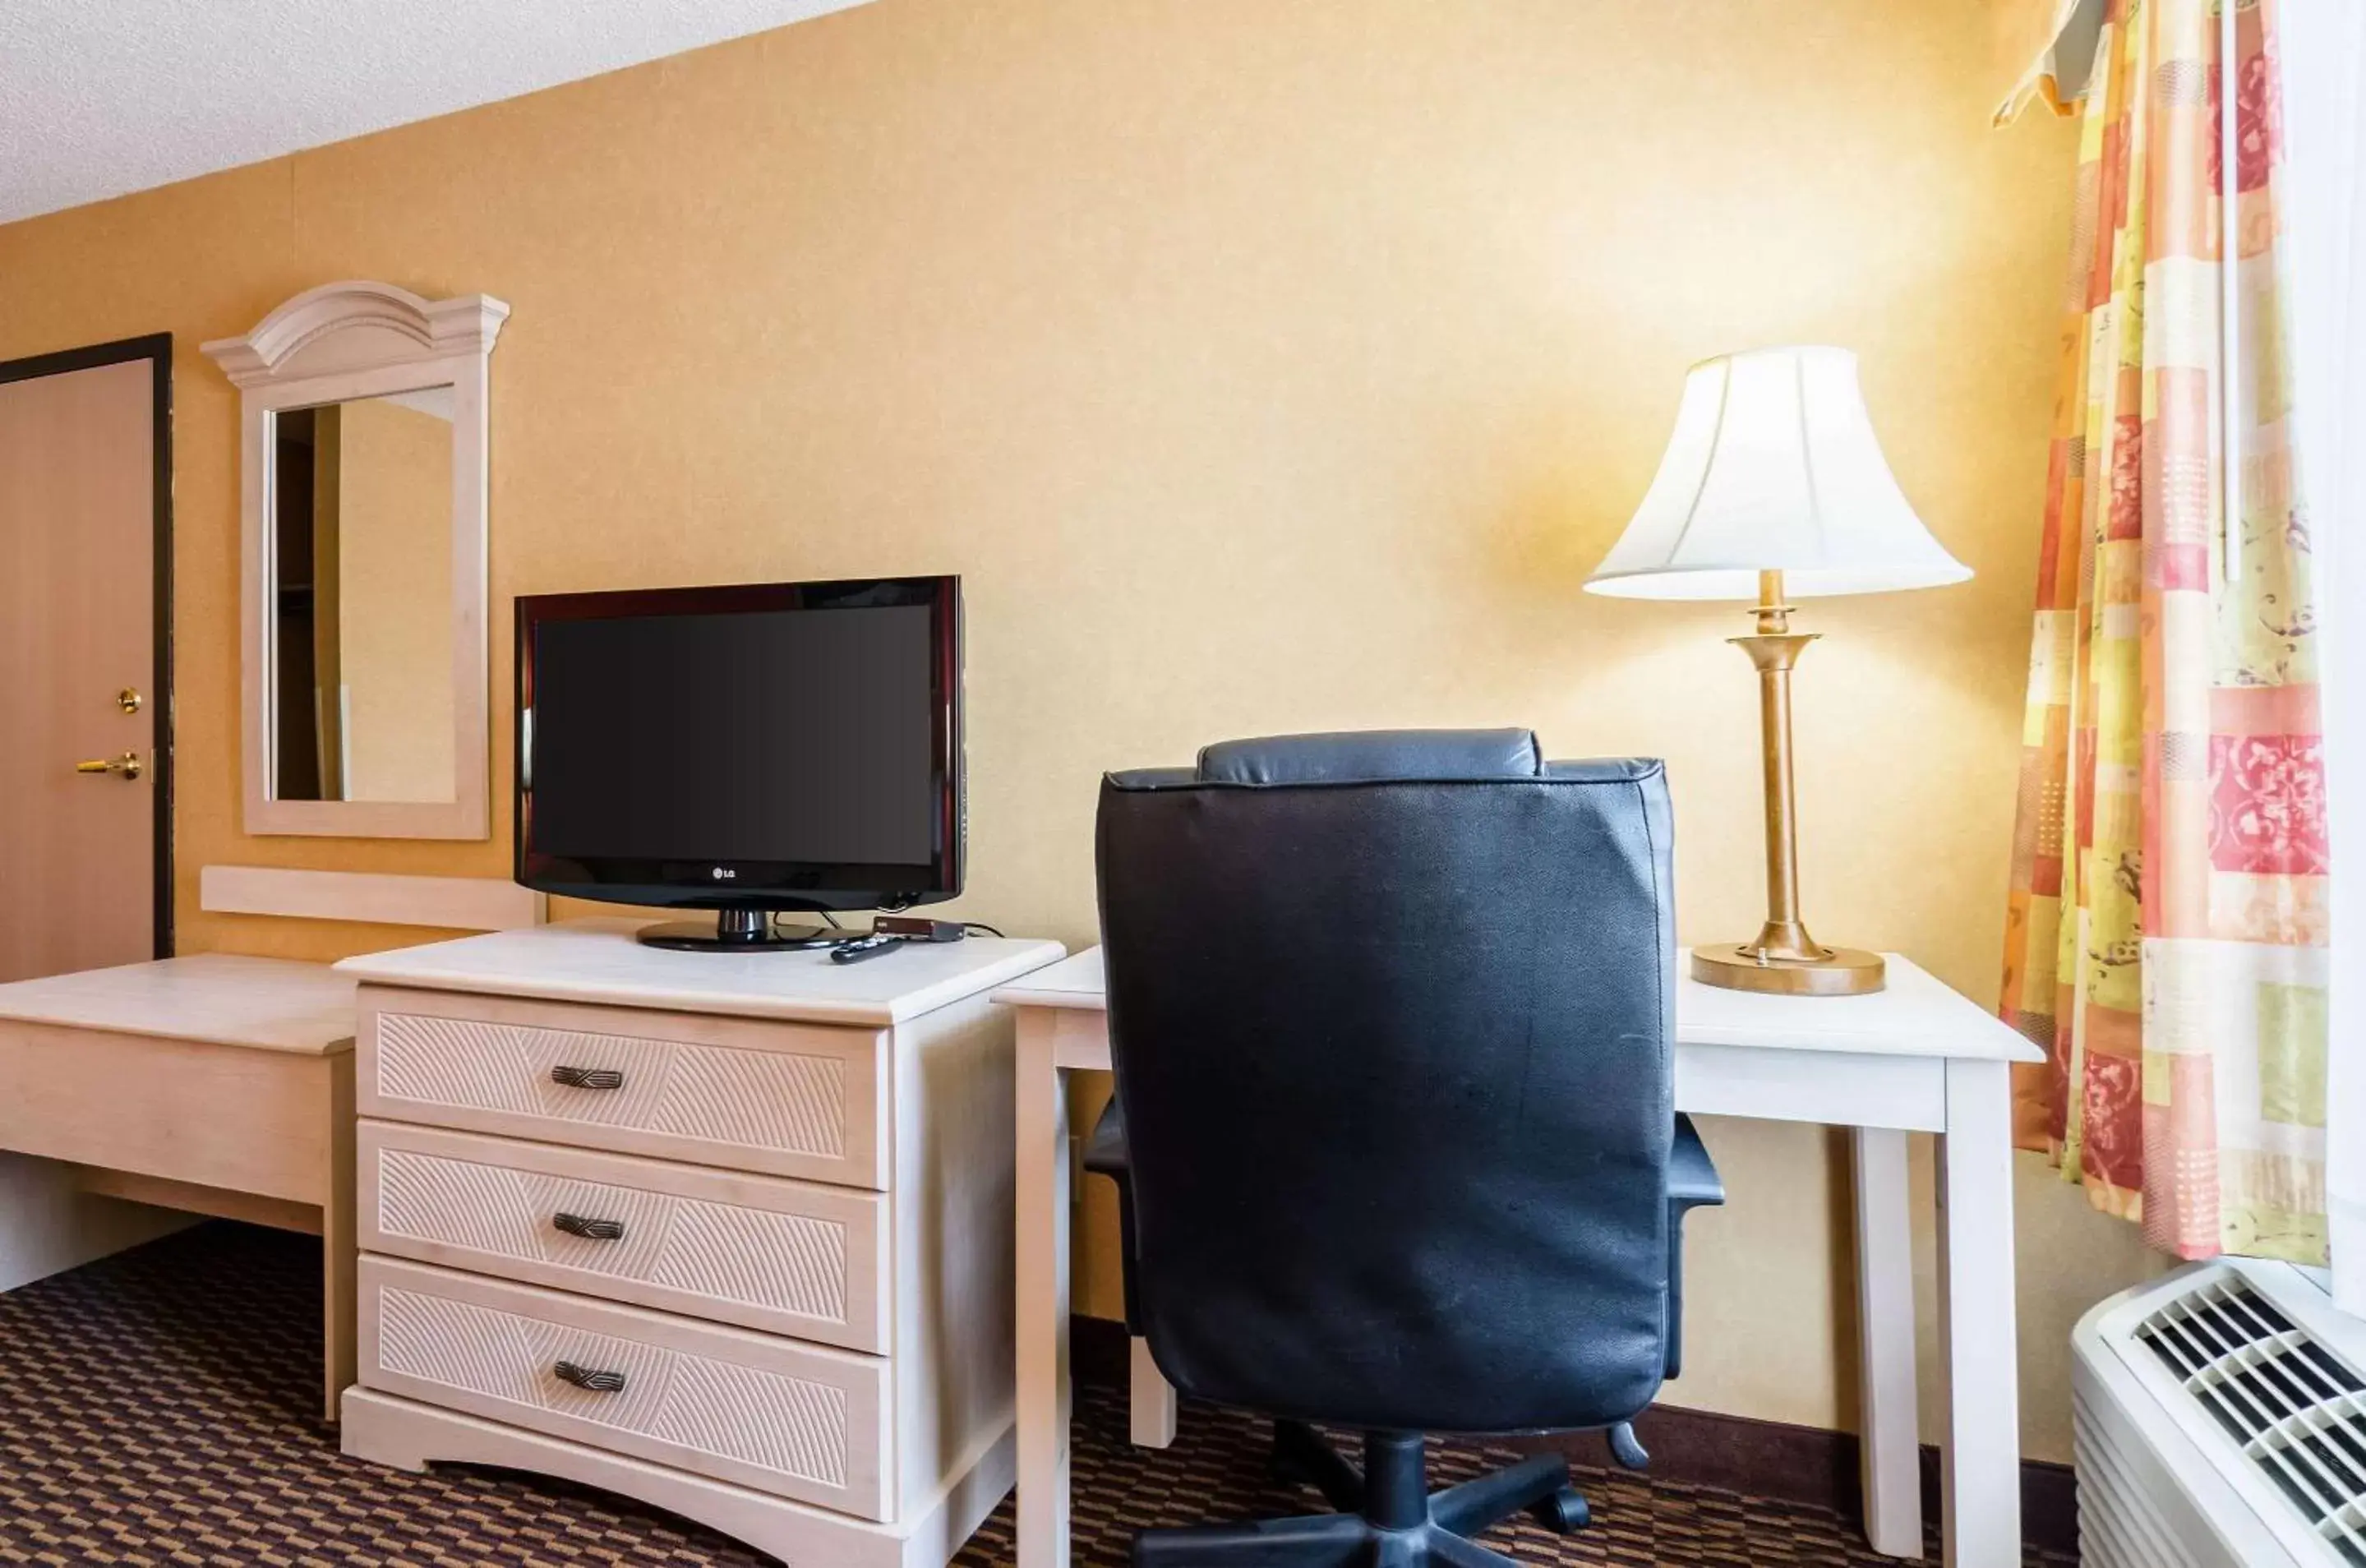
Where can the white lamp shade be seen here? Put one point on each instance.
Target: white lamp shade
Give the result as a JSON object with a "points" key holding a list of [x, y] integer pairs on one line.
{"points": [[1774, 467]]}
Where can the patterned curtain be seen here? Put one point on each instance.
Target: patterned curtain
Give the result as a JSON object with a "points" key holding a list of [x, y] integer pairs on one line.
{"points": [[2166, 939]]}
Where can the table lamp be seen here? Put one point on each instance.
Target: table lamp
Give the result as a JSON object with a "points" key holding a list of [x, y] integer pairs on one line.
{"points": [[1773, 485]]}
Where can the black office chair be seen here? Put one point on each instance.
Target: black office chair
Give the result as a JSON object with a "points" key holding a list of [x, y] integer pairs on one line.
{"points": [[1394, 1133]]}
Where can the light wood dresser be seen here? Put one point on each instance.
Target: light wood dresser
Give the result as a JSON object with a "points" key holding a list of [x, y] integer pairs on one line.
{"points": [[730, 1233]]}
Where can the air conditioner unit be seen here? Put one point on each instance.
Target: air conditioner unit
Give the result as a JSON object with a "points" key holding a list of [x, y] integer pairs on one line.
{"points": [[2220, 1415]]}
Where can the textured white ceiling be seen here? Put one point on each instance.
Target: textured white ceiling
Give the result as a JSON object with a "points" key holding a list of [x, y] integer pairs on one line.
{"points": [[98, 97]]}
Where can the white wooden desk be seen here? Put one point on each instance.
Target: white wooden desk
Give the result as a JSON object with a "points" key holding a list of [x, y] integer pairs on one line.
{"points": [[213, 1084], [1916, 1057]]}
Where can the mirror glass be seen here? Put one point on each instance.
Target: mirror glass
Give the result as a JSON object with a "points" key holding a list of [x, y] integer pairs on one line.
{"points": [[362, 593]]}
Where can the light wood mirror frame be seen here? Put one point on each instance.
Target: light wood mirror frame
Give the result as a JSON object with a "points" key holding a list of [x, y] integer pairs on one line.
{"points": [[334, 344]]}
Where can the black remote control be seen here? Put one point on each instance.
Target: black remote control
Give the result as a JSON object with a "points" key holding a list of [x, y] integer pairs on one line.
{"points": [[865, 947]]}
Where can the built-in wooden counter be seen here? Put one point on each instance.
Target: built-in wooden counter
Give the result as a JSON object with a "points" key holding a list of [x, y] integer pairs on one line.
{"points": [[215, 1084]]}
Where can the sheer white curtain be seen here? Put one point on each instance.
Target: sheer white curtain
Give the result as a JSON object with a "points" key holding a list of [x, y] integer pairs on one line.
{"points": [[2324, 70]]}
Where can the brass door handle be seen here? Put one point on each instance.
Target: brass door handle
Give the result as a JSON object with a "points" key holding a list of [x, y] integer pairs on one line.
{"points": [[127, 767]]}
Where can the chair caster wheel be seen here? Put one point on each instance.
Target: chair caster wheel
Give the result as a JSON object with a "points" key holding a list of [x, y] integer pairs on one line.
{"points": [[1562, 1513]]}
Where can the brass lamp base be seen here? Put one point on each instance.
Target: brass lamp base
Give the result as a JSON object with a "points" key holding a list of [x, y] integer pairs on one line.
{"points": [[1743, 966], [1785, 959]]}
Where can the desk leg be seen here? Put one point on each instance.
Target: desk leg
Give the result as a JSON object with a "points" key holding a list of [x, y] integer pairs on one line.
{"points": [[1153, 1401], [338, 1325], [1042, 1349], [1891, 1447], [1980, 1467], [50, 1221]]}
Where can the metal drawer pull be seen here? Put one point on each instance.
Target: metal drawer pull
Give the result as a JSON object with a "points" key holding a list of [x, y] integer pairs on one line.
{"points": [[585, 1377], [588, 1078], [590, 1230]]}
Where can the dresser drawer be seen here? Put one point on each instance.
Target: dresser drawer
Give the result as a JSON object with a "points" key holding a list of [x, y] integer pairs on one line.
{"points": [[795, 1420], [785, 1256], [751, 1094]]}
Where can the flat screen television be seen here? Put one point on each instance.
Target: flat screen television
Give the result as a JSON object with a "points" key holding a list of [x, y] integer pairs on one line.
{"points": [[749, 749]]}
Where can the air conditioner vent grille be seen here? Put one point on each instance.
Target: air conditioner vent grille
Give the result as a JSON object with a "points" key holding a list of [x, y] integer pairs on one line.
{"points": [[2295, 1409]]}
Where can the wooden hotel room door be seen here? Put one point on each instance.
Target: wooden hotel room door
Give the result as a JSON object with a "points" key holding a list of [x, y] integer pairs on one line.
{"points": [[84, 645]]}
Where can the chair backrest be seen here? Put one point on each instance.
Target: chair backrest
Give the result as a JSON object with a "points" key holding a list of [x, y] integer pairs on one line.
{"points": [[1391, 1018]]}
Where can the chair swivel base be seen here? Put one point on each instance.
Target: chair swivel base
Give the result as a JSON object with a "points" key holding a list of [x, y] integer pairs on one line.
{"points": [[1388, 1518]]}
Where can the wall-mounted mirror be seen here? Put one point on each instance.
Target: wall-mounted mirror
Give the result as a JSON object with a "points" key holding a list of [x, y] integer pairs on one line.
{"points": [[363, 477], [361, 584]]}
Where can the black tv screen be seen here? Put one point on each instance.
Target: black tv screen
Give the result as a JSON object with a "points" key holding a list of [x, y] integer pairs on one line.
{"points": [[784, 745]]}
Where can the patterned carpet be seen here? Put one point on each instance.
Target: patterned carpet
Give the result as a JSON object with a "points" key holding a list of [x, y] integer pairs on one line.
{"points": [[158, 1407]]}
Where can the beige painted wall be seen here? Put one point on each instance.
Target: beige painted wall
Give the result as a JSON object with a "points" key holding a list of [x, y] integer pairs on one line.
{"points": [[394, 610], [1262, 366]]}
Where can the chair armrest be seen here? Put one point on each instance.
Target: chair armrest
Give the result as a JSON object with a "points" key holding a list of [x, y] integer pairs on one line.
{"points": [[1106, 1152], [1105, 1155], [1692, 1183], [1692, 1180]]}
